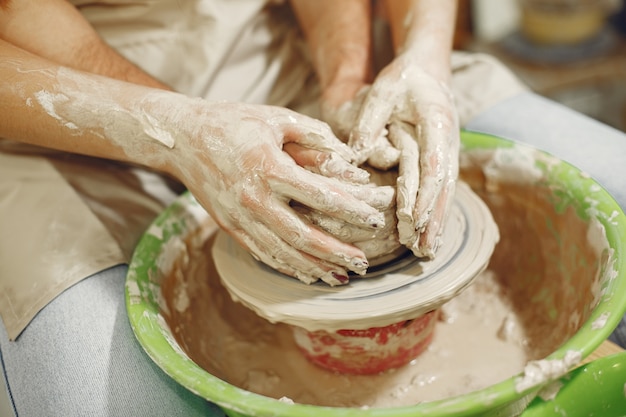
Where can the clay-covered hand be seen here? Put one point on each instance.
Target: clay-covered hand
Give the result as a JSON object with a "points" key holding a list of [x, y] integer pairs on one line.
{"points": [[416, 112], [341, 104], [244, 163], [247, 163]]}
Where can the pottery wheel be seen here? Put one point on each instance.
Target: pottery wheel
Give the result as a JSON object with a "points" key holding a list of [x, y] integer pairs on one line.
{"points": [[406, 289]]}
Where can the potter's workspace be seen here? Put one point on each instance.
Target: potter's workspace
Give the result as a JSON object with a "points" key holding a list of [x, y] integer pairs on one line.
{"points": [[432, 237]]}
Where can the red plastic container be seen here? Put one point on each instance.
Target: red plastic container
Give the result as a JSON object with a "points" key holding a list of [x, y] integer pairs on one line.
{"points": [[368, 351]]}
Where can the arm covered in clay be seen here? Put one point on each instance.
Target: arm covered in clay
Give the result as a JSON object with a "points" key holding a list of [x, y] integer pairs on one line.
{"points": [[229, 155], [407, 105], [339, 36], [411, 98]]}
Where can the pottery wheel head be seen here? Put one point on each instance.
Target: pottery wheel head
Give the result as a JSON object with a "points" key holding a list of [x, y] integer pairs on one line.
{"points": [[402, 287]]}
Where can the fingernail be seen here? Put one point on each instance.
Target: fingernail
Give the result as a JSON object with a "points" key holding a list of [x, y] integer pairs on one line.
{"points": [[357, 175], [359, 265], [376, 220], [343, 279]]}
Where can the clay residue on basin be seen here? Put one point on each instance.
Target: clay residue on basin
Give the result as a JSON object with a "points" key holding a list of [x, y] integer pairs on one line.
{"points": [[545, 259], [540, 286], [234, 344]]}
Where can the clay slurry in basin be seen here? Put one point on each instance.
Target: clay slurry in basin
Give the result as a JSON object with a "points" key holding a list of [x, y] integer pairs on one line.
{"points": [[541, 285], [468, 351], [372, 324], [552, 271]]}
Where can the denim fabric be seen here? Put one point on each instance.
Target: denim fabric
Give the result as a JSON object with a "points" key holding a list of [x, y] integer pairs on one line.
{"points": [[79, 357]]}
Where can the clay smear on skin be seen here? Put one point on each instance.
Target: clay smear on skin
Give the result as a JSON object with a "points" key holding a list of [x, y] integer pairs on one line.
{"points": [[76, 109]]}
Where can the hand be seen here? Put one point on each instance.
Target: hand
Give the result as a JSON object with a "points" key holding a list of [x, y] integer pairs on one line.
{"points": [[374, 243], [419, 112], [240, 161], [341, 104], [247, 163]]}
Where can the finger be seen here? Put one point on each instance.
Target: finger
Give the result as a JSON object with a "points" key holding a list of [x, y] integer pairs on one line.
{"points": [[374, 244], [268, 248], [347, 232], [384, 156], [437, 156], [300, 234], [373, 117], [429, 240], [379, 247], [327, 195], [407, 185], [381, 242], [326, 164], [379, 197], [439, 146], [311, 133]]}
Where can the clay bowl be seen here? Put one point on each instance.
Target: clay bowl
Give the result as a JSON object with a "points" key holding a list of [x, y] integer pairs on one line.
{"points": [[561, 254]]}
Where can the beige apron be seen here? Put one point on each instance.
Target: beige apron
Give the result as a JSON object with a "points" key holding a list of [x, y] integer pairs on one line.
{"points": [[64, 217]]}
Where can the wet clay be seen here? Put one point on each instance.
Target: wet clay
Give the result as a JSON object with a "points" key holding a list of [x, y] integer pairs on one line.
{"points": [[262, 357], [540, 286]]}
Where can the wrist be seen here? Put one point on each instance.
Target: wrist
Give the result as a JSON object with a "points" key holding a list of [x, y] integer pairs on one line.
{"points": [[166, 128], [347, 64], [424, 32], [439, 69], [341, 91]]}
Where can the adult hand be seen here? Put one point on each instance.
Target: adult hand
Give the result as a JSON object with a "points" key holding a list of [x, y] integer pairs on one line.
{"points": [[246, 163], [232, 157], [419, 113], [341, 104]]}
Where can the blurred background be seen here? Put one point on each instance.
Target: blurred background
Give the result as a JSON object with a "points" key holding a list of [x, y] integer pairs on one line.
{"points": [[572, 51]]}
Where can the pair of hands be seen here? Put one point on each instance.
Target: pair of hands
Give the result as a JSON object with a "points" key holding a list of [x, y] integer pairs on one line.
{"points": [[405, 118], [261, 159], [247, 164]]}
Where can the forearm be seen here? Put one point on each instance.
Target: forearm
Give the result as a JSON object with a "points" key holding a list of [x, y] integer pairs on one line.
{"points": [[339, 35], [56, 107], [424, 29], [57, 31]]}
